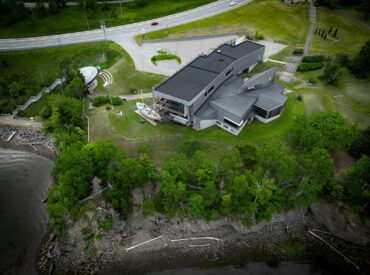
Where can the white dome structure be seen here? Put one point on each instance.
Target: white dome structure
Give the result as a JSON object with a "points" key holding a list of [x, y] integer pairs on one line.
{"points": [[89, 73]]}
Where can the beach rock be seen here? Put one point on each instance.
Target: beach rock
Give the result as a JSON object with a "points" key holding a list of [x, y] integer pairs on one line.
{"points": [[341, 222]]}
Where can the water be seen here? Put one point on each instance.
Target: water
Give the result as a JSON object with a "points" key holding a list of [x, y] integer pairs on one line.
{"points": [[24, 180]]}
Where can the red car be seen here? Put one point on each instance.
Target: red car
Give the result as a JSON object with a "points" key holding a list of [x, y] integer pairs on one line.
{"points": [[154, 23]]}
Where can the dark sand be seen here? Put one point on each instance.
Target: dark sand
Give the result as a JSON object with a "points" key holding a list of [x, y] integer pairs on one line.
{"points": [[24, 181]]}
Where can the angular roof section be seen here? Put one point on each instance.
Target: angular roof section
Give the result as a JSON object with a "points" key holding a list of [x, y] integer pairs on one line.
{"points": [[263, 78], [237, 105], [187, 83]]}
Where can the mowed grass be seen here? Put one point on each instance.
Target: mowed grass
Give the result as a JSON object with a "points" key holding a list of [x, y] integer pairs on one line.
{"points": [[277, 20], [350, 97], [354, 34], [125, 76], [164, 139], [72, 19]]}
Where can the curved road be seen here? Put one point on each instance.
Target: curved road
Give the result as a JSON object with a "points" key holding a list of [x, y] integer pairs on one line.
{"points": [[130, 30]]}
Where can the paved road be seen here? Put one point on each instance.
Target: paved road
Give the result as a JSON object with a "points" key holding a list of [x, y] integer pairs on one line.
{"points": [[8, 120], [33, 4], [130, 30]]}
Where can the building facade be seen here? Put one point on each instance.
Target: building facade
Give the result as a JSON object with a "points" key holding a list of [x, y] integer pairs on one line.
{"points": [[211, 90]]}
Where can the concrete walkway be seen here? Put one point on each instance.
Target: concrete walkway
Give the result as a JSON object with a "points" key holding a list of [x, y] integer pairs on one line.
{"points": [[291, 68], [8, 120]]}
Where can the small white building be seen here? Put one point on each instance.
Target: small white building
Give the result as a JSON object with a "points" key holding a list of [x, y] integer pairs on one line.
{"points": [[90, 73]]}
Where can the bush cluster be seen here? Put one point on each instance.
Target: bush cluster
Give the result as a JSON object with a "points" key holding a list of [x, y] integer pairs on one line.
{"points": [[259, 36], [165, 57], [298, 51], [101, 100], [316, 58], [309, 66]]}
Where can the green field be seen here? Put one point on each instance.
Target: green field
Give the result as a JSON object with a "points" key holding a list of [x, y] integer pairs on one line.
{"points": [[164, 139], [350, 97], [36, 69], [354, 35], [275, 19], [72, 19], [125, 76]]}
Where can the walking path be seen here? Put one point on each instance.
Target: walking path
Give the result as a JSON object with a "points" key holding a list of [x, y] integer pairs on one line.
{"points": [[363, 22], [135, 97], [291, 68], [8, 120]]}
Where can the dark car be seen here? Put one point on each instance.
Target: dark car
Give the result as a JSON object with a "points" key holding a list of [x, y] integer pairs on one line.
{"points": [[154, 23]]}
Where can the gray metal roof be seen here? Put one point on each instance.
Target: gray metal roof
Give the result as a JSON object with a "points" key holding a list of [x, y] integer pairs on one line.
{"points": [[239, 50], [263, 78], [237, 105], [214, 62], [187, 83]]}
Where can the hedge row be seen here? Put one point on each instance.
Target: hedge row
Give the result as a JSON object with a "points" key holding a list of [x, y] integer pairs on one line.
{"points": [[101, 100], [316, 58], [309, 66], [165, 57], [298, 51]]}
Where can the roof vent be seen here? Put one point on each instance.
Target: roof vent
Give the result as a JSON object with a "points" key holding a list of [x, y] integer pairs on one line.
{"points": [[220, 60], [218, 51]]}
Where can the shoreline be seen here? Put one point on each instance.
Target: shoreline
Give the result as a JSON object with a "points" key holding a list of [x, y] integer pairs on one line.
{"points": [[28, 140]]}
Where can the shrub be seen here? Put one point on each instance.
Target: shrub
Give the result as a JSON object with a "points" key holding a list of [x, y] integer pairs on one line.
{"points": [[106, 224], [309, 66], [165, 57], [341, 59], [259, 36], [108, 108], [116, 101], [100, 100], [148, 208], [46, 112], [312, 81], [298, 51], [132, 90], [316, 58], [299, 98], [331, 74]]}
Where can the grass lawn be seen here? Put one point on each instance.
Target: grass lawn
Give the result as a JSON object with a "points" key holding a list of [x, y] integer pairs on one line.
{"points": [[39, 68], [125, 76], [277, 20], [353, 33], [164, 139], [352, 10], [350, 97], [72, 19]]}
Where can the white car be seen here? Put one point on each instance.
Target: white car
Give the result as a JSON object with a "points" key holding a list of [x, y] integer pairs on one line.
{"points": [[232, 3]]}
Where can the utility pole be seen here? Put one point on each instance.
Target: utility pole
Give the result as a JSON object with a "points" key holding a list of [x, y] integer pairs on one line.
{"points": [[110, 96], [120, 8], [181, 5], [102, 25], [87, 22]]}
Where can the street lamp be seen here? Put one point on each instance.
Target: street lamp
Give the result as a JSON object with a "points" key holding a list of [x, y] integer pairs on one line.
{"points": [[87, 22], [120, 7], [102, 25]]}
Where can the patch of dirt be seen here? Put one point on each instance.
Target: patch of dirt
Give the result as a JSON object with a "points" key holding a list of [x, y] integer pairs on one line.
{"points": [[103, 58]]}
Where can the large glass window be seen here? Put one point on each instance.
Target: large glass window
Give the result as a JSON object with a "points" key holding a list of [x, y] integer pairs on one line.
{"points": [[229, 122], [260, 112]]}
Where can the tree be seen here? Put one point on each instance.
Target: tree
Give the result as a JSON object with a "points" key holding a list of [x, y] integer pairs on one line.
{"points": [[53, 7], [91, 4], [189, 147], [40, 9], [171, 194], [195, 205], [364, 7], [361, 144], [331, 74], [355, 182], [148, 208], [248, 153], [360, 64], [325, 130], [342, 59], [76, 88]]}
